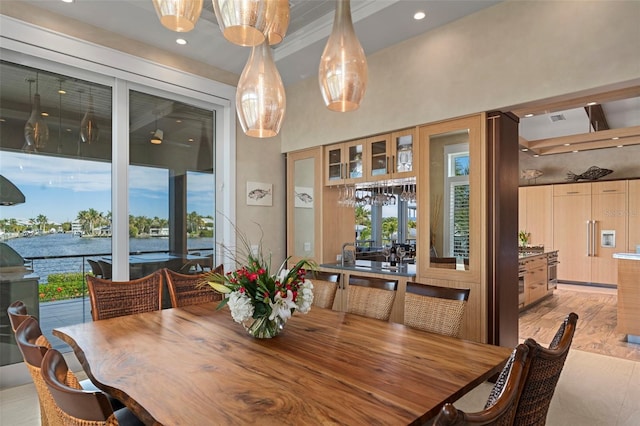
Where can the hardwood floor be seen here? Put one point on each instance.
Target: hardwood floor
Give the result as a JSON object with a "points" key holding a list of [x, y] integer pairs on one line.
{"points": [[596, 328]]}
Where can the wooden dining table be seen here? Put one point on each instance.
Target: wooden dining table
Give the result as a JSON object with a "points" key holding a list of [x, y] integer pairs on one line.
{"points": [[196, 366]]}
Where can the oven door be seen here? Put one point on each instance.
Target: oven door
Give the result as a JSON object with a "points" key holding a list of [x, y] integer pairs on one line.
{"points": [[552, 274]]}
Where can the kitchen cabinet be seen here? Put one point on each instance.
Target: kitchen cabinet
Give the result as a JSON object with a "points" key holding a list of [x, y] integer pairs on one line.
{"points": [[588, 227], [391, 156], [535, 278], [535, 214], [345, 162], [633, 215]]}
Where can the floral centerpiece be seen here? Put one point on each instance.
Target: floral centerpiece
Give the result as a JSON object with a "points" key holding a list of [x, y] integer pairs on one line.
{"points": [[260, 300]]}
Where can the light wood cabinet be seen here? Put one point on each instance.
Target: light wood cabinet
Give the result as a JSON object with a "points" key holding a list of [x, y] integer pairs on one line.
{"points": [[535, 279], [633, 215], [304, 205], [589, 226], [392, 156], [536, 214], [345, 162]]}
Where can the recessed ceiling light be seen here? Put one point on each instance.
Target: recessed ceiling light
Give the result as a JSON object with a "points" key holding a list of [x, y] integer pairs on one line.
{"points": [[190, 139], [178, 121], [620, 146], [62, 92], [536, 155], [567, 144], [615, 139], [528, 115], [592, 103], [419, 16], [44, 114], [67, 1], [525, 149], [181, 41], [575, 150]]}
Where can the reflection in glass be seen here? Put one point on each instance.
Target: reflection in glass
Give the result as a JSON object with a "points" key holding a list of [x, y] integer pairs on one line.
{"points": [[304, 211], [449, 202]]}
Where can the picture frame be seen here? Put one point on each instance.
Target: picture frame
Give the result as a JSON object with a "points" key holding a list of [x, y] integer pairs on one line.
{"points": [[259, 194]]}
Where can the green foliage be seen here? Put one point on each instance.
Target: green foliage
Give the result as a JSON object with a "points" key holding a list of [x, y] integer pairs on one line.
{"points": [[389, 227], [63, 286]]}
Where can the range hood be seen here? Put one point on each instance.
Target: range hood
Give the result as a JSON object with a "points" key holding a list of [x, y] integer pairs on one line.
{"points": [[9, 193]]}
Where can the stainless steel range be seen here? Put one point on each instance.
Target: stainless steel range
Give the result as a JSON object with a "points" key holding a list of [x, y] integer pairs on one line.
{"points": [[17, 282]]}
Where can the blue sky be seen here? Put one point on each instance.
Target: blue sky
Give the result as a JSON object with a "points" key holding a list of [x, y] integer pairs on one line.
{"points": [[61, 187]]}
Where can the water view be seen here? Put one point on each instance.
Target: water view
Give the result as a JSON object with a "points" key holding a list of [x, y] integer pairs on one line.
{"points": [[47, 250]]}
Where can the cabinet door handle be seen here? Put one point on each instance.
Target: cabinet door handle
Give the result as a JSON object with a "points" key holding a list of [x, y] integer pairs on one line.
{"points": [[609, 190], [394, 166], [573, 192], [594, 237], [588, 238], [386, 166]]}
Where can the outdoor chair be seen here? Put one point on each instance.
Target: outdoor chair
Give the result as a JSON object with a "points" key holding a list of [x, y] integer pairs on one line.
{"points": [[435, 309], [371, 297], [78, 407], [501, 406], [95, 268], [118, 298], [106, 269]]}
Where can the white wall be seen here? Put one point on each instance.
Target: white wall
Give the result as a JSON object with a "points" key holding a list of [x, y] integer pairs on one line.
{"points": [[512, 53]]}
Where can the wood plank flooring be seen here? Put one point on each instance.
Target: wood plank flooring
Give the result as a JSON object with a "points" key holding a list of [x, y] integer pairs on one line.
{"points": [[596, 328]]}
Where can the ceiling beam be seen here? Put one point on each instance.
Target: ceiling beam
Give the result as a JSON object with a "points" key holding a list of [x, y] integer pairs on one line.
{"points": [[590, 145], [583, 138]]}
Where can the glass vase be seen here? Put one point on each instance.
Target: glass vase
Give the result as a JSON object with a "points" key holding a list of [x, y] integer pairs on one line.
{"points": [[263, 327]]}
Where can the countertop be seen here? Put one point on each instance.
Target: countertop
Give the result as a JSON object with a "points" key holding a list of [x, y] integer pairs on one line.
{"points": [[627, 256], [528, 255], [404, 270]]}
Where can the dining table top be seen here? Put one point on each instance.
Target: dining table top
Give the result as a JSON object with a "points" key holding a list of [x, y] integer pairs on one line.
{"points": [[195, 366]]}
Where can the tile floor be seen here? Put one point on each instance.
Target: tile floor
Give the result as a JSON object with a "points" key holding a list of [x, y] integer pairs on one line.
{"points": [[594, 389]]}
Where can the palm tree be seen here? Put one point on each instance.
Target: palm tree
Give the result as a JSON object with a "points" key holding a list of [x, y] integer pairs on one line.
{"points": [[42, 221], [94, 217]]}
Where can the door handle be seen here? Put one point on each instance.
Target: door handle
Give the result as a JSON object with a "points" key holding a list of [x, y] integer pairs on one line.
{"points": [[594, 238], [588, 238]]}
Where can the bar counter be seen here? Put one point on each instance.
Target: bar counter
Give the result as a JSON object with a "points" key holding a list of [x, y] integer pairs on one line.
{"points": [[629, 295], [368, 266]]}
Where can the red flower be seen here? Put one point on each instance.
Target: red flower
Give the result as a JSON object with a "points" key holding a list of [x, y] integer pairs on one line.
{"points": [[261, 271], [59, 289]]}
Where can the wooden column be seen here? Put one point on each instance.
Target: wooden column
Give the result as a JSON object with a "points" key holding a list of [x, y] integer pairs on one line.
{"points": [[502, 241]]}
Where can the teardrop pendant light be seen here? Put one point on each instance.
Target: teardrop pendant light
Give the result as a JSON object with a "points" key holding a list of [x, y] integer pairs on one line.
{"points": [[89, 131], [36, 131], [343, 66], [244, 22], [260, 97], [178, 15], [280, 23]]}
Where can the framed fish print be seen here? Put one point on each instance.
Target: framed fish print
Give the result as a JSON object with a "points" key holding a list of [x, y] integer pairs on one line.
{"points": [[259, 194], [303, 197]]}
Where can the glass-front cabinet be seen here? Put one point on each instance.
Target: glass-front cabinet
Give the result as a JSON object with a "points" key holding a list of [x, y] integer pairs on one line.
{"points": [[345, 162], [391, 155]]}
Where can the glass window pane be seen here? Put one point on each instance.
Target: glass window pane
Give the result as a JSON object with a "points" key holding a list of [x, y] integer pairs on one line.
{"points": [[171, 186], [62, 165]]}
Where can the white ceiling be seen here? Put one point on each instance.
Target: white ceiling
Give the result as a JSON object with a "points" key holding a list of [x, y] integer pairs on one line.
{"points": [[378, 24]]}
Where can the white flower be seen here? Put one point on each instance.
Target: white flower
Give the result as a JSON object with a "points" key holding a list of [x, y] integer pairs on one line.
{"points": [[305, 296], [241, 306], [282, 306]]}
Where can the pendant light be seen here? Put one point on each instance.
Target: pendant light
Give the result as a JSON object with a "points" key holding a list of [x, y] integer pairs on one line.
{"points": [[260, 97], [343, 66], [178, 15], [36, 131], [280, 23], [89, 131], [244, 22]]}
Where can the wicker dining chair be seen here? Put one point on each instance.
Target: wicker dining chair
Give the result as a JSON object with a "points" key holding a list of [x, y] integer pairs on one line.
{"points": [[78, 407], [118, 298], [17, 313], [501, 406], [33, 345], [188, 289], [371, 297], [325, 286], [435, 309], [543, 374]]}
